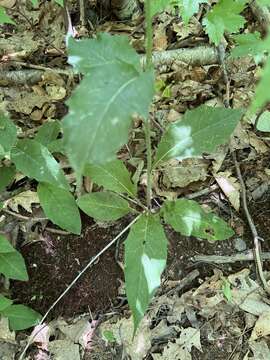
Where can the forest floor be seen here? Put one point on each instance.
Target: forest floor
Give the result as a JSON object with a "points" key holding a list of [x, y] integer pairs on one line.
{"points": [[210, 305]]}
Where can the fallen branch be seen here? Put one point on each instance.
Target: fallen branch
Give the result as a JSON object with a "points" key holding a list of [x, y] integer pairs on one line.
{"points": [[179, 285], [256, 237], [201, 55], [216, 259]]}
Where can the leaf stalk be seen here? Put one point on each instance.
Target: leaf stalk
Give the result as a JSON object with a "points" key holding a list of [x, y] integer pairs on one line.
{"points": [[147, 127]]}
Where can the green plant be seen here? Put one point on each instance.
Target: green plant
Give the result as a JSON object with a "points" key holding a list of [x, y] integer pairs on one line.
{"points": [[115, 87], [12, 266]]}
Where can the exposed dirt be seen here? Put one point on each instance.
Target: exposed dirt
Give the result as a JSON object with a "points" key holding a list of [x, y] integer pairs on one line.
{"points": [[53, 263]]}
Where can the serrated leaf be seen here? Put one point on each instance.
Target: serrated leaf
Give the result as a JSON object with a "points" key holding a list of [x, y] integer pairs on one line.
{"points": [[6, 176], [5, 245], [101, 107], [188, 8], [104, 206], [224, 16], [189, 218], [262, 95], [112, 176], [4, 302], [8, 133], [248, 44], [60, 207], [12, 265], [35, 161], [4, 18], [201, 130], [87, 54], [145, 260], [21, 317], [48, 132]]}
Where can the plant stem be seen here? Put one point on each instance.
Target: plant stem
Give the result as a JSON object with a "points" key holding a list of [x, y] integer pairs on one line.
{"points": [[149, 34], [147, 128]]}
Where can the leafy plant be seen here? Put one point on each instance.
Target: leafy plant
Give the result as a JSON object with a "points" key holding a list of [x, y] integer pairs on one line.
{"points": [[224, 16], [12, 266], [114, 88], [4, 18]]}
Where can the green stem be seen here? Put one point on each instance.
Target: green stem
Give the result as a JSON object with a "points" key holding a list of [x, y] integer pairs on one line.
{"points": [[149, 33], [149, 47], [147, 130]]}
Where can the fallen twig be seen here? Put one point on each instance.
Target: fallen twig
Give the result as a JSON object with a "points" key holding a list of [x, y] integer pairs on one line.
{"points": [[202, 192], [201, 55], [216, 259], [184, 282], [256, 237]]}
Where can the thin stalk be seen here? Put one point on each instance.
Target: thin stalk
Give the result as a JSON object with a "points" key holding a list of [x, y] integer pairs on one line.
{"points": [[147, 127], [147, 130], [149, 34]]}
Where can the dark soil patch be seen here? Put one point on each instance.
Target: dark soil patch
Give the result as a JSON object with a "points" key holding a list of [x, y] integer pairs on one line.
{"points": [[53, 263]]}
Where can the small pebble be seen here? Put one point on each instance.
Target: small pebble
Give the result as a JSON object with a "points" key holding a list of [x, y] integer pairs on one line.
{"points": [[240, 245]]}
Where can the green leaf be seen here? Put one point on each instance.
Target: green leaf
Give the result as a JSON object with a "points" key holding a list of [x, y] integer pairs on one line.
{"points": [[12, 265], [248, 44], [60, 207], [34, 2], [145, 260], [57, 146], [263, 123], [188, 8], [104, 206], [21, 317], [108, 336], [87, 54], [8, 133], [262, 95], [159, 5], [6, 176], [4, 302], [48, 132], [263, 2], [112, 176], [201, 130], [4, 18], [60, 2], [224, 16], [35, 161], [226, 288], [101, 107], [188, 217], [5, 245]]}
